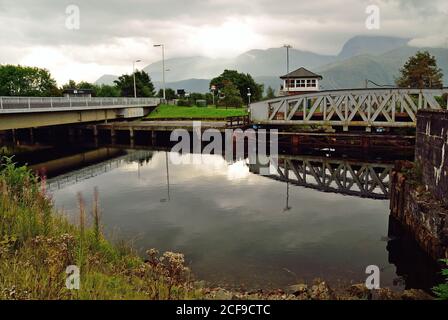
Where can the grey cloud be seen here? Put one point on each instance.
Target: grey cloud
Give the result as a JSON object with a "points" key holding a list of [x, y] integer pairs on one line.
{"points": [[322, 26]]}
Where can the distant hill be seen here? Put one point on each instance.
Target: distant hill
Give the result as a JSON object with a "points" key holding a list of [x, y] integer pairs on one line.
{"points": [[106, 79], [382, 69], [373, 45], [190, 85], [376, 58], [256, 62]]}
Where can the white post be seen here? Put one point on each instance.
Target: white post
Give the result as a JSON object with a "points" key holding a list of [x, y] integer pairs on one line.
{"points": [[163, 73], [163, 68], [133, 72]]}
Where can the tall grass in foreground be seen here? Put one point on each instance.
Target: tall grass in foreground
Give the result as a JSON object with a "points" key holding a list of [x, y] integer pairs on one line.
{"points": [[37, 245]]}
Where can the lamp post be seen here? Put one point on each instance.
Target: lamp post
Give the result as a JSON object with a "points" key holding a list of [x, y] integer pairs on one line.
{"points": [[248, 94], [163, 67], [133, 72], [287, 46]]}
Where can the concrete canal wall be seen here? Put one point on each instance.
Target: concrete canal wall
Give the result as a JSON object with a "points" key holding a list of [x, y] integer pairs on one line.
{"points": [[419, 190]]}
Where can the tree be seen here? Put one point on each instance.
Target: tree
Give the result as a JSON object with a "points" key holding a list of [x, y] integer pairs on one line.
{"points": [[242, 82], [270, 93], [103, 90], [231, 96], [420, 71], [106, 90], [26, 81], [71, 84], [144, 85], [170, 94]]}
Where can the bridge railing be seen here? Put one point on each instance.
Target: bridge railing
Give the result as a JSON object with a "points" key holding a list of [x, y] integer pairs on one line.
{"points": [[395, 107], [7, 103]]}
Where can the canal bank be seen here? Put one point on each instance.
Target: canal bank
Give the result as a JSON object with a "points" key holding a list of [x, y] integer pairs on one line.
{"points": [[419, 192], [309, 222], [35, 253]]}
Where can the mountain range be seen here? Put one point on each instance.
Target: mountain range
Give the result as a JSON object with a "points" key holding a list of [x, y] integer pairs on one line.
{"points": [[377, 58]]}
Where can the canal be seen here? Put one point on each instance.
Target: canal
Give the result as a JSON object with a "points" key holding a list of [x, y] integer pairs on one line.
{"points": [[237, 228]]}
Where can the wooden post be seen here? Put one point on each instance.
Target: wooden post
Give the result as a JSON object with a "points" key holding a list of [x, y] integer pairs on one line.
{"points": [[31, 135], [153, 137]]}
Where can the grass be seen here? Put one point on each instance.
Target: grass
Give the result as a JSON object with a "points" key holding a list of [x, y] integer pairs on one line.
{"points": [[441, 290], [37, 244], [175, 112]]}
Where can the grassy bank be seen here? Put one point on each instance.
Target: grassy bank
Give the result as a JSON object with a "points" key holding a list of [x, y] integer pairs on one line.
{"points": [[175, 112], [37, 245]]}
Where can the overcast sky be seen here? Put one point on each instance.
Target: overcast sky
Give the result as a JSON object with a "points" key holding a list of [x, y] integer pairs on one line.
{"points": [[112, 33]]}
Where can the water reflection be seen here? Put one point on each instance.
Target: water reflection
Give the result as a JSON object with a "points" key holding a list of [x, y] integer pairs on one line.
{"points": [[238, 228], [349, 177]]}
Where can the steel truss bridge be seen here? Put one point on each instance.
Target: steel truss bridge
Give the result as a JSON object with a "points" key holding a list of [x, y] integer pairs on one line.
{"points": [[350, 108], [348, 177]]}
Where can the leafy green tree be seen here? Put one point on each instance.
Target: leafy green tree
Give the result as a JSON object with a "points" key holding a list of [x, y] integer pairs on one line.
{"points": [[270, 93], [71, 84], [242, 81], [209, 98], [420, 71], [105, 90], [26, 81], [170, 94], [196, 96], [231, 96], [144, 85], [86, 85]]}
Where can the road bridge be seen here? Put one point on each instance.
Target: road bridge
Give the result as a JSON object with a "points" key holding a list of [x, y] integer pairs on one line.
{"points": [[29, 112]]}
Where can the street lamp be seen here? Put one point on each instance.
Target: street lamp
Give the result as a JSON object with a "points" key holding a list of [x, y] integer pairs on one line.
{"points": [[287, 46], [248, 94], [133, 72], [163, 67]]}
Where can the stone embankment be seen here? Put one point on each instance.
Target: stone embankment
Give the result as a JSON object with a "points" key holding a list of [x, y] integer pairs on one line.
{"points": [[419, 190]]}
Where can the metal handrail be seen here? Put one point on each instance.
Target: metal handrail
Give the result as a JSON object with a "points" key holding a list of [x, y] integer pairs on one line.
{"points": [[12, 102]]}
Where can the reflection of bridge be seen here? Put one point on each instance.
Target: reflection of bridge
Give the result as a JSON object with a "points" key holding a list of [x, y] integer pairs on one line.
{"points": [[349, 108], [28, 112], [362, 179], [91, 171]]}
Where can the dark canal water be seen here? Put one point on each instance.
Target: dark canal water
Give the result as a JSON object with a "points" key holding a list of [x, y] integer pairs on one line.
{"points": [[238, 228]]}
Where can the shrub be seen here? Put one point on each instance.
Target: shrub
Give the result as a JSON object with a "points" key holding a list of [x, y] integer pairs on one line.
{"points": [[441, 290], [184, 103]]}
